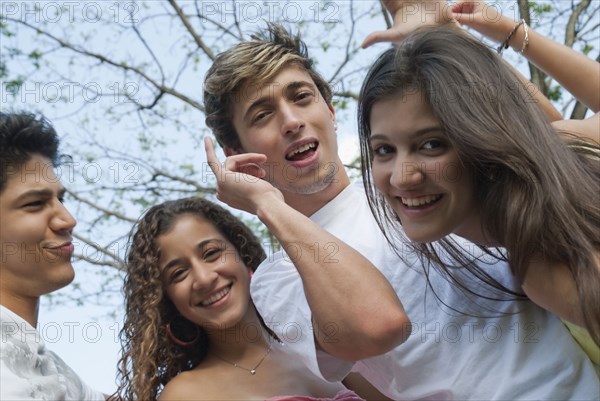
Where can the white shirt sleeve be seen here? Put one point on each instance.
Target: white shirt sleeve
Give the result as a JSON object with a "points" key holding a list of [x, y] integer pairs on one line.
{"points": [[29, 371]]}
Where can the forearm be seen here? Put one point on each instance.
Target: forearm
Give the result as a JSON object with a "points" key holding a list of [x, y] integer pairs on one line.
{"points": [[577, 73], [538, 97], [574, 71], [355, 310]]}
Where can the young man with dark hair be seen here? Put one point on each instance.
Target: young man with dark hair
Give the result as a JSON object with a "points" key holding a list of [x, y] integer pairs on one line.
{"points": [[36, 248]]}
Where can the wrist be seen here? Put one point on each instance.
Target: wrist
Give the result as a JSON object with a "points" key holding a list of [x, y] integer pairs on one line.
{"points": [[517, 38], [504, 26], [268, 207]]}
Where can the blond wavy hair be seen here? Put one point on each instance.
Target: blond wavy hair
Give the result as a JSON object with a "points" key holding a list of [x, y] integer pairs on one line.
{"points": [[254, 61]]}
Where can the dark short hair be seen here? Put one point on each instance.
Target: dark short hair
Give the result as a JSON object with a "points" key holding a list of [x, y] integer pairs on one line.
{"points": [[22, 135]]}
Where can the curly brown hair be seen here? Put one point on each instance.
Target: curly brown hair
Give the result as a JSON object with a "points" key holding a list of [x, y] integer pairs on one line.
{"points": [[149, 359]]}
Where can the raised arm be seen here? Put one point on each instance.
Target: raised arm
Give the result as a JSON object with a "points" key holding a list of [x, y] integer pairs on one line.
{"points": [[410, 15], [577, 73], [339, 291]]}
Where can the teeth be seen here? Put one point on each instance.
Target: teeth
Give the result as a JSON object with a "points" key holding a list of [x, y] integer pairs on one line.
{"points": [[301, 149], [423, 200], [216, 297]]}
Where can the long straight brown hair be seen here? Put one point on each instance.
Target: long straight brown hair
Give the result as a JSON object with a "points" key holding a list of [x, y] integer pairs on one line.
{"points": [[538, 194]]}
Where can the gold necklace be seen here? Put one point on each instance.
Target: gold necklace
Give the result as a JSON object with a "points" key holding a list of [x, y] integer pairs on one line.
{"points": [[253, 370]]}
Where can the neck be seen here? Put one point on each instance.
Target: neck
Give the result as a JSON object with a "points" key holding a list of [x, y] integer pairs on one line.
{"points": [[308, 204], [245, 340], [26, 307], [471, 229]]}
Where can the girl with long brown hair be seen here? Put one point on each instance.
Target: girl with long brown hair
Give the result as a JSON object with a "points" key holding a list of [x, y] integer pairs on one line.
{"points": [[453, 143]]}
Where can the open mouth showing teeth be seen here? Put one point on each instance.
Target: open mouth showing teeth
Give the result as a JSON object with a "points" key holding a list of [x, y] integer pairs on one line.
{"points": [[422, 201], [302, 152], [218, 296]]}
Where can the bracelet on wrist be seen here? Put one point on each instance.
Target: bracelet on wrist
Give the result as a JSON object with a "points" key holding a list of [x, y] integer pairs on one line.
{"points": [[504, 45], [525, 39]]}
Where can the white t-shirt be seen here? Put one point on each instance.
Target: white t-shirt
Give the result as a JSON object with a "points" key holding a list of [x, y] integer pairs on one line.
{"points": [[513, 350], [29, 371]]}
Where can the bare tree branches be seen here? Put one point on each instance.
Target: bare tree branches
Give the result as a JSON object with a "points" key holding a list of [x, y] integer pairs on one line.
{"points": [[188, 26]]}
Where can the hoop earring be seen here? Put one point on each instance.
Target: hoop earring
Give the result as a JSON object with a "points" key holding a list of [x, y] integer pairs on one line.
{"points": [[173, 337]]}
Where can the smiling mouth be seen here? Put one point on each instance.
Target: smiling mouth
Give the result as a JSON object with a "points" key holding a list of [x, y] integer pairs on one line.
{"points": [[66, 248], [217, 297], [302, 152], [420, 201]]}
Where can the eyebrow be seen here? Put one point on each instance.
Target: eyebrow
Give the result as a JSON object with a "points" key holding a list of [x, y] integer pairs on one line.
{"points": [[294, 86], [288, 90], [417, 134], [200, 245], [43, 193]]}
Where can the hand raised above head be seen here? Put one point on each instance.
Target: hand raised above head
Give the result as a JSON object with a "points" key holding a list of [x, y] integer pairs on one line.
{"points": [[485, 18], [409, 15], [239, 179]]}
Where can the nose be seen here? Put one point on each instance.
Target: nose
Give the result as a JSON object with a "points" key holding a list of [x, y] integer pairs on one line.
{"points": [[203, 277], [62, 220], [407, 173], [291, 123]]}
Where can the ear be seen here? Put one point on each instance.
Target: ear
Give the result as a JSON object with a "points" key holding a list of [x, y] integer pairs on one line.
{"points": [[332, 112], [250, 272], [230, 151]]}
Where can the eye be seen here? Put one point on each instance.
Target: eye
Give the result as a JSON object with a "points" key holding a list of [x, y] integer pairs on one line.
{"points": [[212, 254], [432, 144], [34, 204], [383, 150], [260, 116], [303, 95], [177, 274]]}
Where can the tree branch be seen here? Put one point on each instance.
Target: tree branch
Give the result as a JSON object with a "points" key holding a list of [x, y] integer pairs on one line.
{"points": [[100, 208], [118, 262], [188, 26], [123, 66], [570, 31]]}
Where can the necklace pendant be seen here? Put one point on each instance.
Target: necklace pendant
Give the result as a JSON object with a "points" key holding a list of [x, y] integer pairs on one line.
{"points": [[253, 371]]}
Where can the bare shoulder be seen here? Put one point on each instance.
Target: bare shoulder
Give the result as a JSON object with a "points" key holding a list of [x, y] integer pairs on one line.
{"points": [[588, 129], [191, 385]]}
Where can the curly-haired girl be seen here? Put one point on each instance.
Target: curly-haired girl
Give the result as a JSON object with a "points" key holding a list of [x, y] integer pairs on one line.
{"points": [[191, 330]]}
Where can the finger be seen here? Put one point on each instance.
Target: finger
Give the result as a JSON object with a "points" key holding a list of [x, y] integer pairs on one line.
{"points": [[233, 163], [211, 156], [466, 6], [458, 7], [381, 36], [253, 169]]}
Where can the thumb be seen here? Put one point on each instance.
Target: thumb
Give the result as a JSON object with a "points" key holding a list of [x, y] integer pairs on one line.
{"points": [[381, 36]]}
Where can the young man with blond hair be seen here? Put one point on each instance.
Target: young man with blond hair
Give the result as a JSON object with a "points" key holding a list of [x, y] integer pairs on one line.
{"points": [[272, 114]]}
